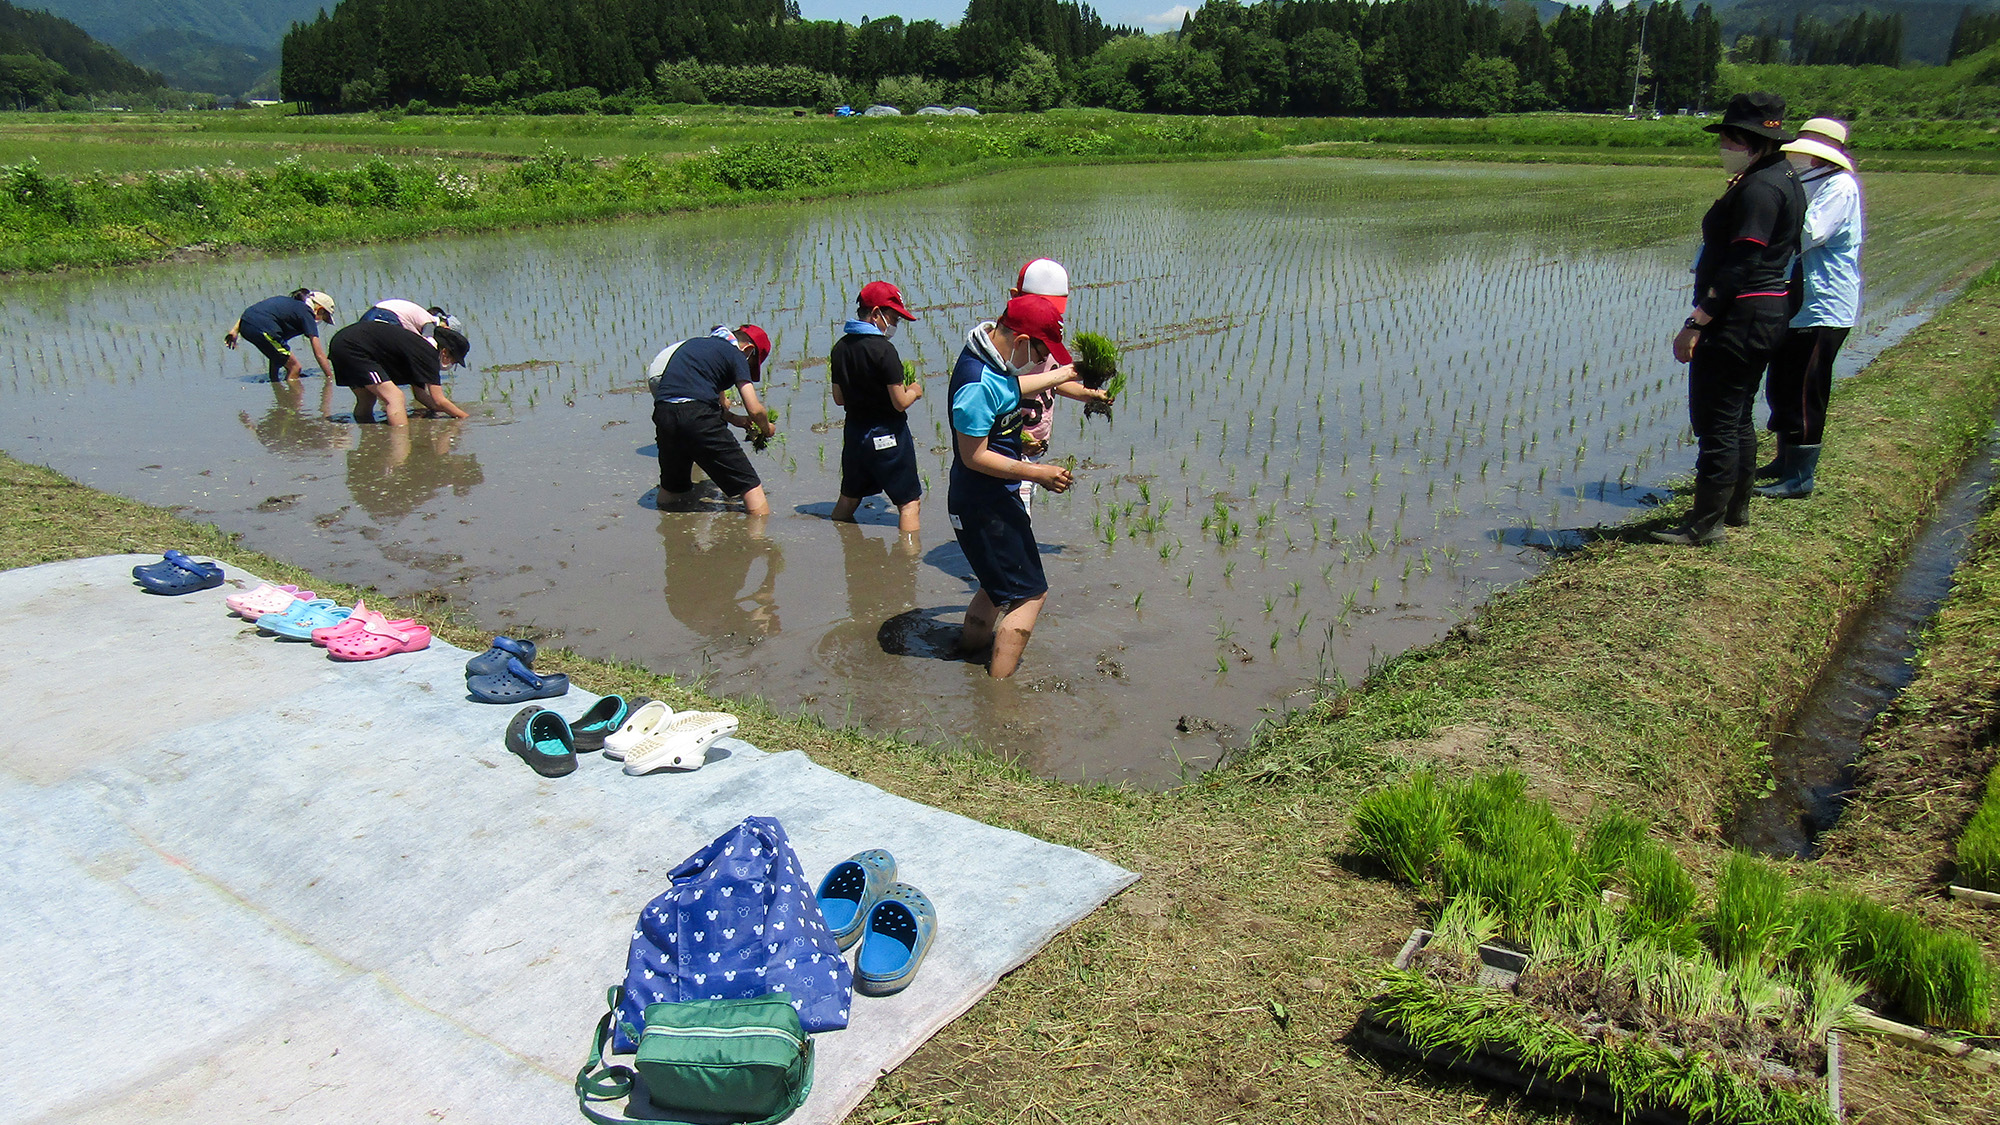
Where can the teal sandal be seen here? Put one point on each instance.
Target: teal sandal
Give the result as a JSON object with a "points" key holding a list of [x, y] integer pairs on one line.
{"points": [[851, 890], [899, 933]]}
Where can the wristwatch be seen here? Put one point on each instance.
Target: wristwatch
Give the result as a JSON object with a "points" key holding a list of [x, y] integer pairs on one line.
{"points": [[1690, 322]]}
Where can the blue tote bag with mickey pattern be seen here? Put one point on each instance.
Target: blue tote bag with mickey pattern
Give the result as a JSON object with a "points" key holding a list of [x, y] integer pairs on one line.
{"points": [[740, 920]]}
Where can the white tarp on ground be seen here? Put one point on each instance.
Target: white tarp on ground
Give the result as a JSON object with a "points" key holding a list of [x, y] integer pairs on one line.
{"points": [[242, 878]]}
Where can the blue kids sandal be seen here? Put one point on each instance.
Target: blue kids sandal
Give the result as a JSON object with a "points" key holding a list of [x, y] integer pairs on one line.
{"points": [[899, 933], [493, 661], [542, 739], [515, 684], [178, 574], [850, 890]]}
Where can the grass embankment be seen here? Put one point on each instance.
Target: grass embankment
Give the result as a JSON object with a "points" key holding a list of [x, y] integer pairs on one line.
{"points": [[91, 190], [1226, 984]]}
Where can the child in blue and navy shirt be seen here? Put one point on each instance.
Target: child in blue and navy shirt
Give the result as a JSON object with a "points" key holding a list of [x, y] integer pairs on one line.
{"points": [[985, 505]]}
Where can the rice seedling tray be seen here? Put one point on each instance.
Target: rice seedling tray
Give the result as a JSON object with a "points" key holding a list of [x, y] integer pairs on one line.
{"points": [[1974, 895], [1500, 968]]}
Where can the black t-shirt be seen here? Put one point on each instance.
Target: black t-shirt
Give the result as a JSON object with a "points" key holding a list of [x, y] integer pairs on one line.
{"points": [[865, 366], [1750, 236], [701, 369], [399, 354]]}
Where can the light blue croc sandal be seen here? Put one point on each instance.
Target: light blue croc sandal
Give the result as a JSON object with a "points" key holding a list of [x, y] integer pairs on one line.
{"points": [[851, 889], [299, 619], [898, 935]]}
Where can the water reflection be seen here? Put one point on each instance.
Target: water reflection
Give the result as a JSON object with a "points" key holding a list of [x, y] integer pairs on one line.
{"points": [[286, 430], [394, 470], [721, 575], [881, 575]]}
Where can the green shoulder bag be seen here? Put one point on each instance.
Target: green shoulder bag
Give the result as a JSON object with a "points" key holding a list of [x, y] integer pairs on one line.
{"points": [[746, 1061]]}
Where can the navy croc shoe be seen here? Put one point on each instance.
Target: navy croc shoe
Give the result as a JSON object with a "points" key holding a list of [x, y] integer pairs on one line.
{"points": [[604, 717], [516, 685], [178, 574], [542, 739], [494, 660]]}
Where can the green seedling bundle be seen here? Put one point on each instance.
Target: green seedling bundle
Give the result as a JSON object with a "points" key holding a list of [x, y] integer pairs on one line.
{"points": [[1617, 934], [1979, 847], [1097, 365]]}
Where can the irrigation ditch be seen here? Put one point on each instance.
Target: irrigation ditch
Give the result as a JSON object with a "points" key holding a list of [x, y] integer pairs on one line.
{"points": [[1813, 754]]}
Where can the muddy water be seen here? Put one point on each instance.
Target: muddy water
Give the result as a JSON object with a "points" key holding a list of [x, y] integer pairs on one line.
{"points": [[1363, 395], [1813, 760]]}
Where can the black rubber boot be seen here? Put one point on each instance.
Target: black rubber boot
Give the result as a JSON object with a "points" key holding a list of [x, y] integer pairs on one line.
{"points": [[1704, 525], [1775, 468], [1738, 514]]}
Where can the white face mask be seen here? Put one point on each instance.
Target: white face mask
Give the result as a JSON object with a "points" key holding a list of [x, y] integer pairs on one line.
{"points": [[889, 329], [1015, 365], [1735, 160]]}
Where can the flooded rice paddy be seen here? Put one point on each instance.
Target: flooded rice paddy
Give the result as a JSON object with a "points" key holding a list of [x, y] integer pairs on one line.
{"points": [[1363, 395]]}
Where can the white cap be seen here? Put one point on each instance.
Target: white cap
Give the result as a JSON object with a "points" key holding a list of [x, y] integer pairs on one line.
{"points": [[1828, 127], [320, 303], [1044, 277]]}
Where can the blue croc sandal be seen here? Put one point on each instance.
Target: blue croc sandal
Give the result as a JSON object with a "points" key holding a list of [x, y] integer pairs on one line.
{"points": [[516, 685], [178, 574], [542, 739], [493, 661], [604, 717], [299, 619], [899, 933], [320, 613], [851, 889]]}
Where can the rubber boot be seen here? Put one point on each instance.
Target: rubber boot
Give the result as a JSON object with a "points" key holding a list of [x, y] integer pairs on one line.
{"points": [[1704, 525], [1738, 513], [1797, 482], [1774, 469]]}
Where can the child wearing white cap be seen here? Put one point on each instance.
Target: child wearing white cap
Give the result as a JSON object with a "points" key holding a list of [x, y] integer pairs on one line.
{"points": [[1801, 378], [1046, 277], [271, 324]]}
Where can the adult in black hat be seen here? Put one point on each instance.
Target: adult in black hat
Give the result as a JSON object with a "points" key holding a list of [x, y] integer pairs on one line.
{"points": [[1741, 309]]}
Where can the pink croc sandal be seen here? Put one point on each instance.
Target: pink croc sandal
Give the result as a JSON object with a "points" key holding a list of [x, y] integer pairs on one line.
{"points": [[264, 599], [361, 616], [377, 639]]}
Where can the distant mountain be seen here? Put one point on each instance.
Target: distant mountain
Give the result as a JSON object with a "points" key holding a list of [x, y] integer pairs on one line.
{"points": [[43, 56], [1927, 24], [255, 23], [193, 61]]}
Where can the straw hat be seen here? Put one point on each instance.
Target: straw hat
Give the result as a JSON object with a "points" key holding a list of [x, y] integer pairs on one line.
{"points": [[1830, 128]]}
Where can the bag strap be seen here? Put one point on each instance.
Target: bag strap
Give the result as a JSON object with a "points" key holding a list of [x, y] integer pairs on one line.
{"points": [[609, 1083]]}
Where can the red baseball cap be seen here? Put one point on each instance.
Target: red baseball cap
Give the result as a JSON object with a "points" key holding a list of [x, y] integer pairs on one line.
{"points": [[882, 295], [760, 340], [1046, 277], [1037, 318]]}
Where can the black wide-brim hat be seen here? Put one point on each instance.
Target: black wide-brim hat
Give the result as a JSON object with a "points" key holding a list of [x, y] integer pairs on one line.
{"points": [[1759, 113]]}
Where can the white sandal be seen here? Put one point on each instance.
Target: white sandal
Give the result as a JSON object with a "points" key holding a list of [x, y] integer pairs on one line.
{"points": [[638, 725], [681, 744]]}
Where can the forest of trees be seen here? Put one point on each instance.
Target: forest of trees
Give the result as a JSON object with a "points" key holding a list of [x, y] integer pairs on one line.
{"points": [[1860, 40], [1975, 32], [1272, 56], [45, 60]]}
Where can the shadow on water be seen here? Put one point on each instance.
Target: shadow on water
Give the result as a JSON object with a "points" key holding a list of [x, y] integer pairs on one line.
{"points": [[1813, 760]]}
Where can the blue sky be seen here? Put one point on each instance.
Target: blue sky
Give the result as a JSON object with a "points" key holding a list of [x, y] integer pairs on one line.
{"points": [[1154, 15]]}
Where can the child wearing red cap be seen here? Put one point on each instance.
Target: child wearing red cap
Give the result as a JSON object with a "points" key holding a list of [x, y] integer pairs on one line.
{"points": [[877, 453], [1046, 277], [987, 515], [691, 421]]}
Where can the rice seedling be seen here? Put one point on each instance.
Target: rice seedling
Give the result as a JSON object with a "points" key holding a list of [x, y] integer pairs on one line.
{"points": [[1404, 827], [1663, 900], [1752, 921], [1978, 850]]}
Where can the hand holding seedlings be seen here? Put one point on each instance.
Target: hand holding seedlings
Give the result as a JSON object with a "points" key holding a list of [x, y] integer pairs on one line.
{"points": [[1055, 478]]}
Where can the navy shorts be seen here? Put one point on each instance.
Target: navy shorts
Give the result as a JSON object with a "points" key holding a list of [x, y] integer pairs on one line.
{"points": [[880, 459], [999, 542], [694, 433], [263, 336]]}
